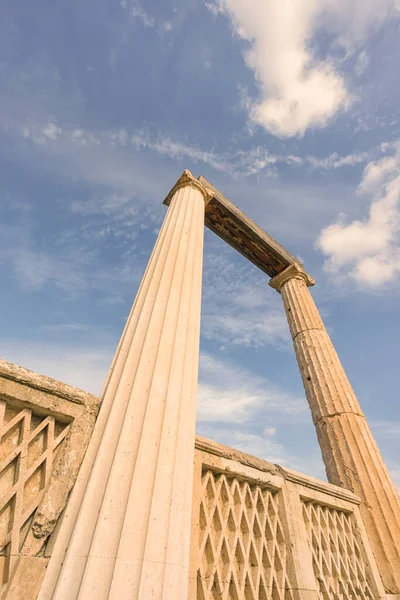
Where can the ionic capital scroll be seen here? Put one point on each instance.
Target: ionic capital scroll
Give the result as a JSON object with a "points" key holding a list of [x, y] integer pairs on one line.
{"points": [[293, 271], [187, 179]]}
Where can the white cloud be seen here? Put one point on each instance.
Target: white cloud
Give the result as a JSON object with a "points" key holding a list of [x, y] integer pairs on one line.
{"points": [[297, 89], [51, 131], [232, 394], [368, 250]]}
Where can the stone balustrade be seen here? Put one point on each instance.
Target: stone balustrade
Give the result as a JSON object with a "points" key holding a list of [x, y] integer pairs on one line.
{"points": [[261, 531]]}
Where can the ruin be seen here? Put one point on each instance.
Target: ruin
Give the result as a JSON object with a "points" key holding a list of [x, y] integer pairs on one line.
{"points": [[158, 513]]}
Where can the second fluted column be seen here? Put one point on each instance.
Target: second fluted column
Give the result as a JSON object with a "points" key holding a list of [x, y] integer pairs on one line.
{"points": [[350, 453]]}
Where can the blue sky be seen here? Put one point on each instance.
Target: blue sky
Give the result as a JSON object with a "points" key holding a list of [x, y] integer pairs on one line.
{"points": [[291, 109]]}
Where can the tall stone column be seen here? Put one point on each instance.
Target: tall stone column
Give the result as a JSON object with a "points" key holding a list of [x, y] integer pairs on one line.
{"points": [[126, 531], [350, 453]]}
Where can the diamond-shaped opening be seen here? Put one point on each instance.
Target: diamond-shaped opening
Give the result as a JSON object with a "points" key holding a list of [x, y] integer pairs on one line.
{"points": [[261, 502], [324, 543], [257, 535], [59, 428], [248, 499], [9, 413], [208, 559], [223, 497], [248, 592], [224, 561], [224, 490], [233, 591], [34, 484], [11, 439], [231, 529], [253, 565], [37, 446], [36, 420], [324, 513], [239, 561], [216, 526], [314, 517], [332, 545], [278, 565], [216, 588], [266, 562], [272, 506], [244, 530], [237, 500], [209, 491]]}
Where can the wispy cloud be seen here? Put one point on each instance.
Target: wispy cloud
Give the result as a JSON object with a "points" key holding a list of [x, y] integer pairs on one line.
{"points": [[239, 163], [238, 307], [137, 11]]}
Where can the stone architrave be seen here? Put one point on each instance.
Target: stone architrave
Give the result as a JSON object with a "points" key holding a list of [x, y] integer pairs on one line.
{"points": [[126, 531], [350, 453]]}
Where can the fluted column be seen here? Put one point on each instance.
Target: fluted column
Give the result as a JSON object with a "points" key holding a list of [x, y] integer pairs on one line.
{"points": [[350, 453], [126, 531]]}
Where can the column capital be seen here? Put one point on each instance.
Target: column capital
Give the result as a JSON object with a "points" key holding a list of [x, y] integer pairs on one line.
{"points": [[187, 179], [293, 271]]}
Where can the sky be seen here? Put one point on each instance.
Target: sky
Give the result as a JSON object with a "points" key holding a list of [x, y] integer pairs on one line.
{"points": [[290, 108]]}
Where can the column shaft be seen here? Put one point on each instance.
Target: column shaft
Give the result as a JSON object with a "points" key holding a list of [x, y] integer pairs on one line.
{"points": [[126, 532], [350, 453]]}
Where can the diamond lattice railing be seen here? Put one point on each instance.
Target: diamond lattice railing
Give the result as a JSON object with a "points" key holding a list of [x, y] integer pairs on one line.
{"points": [[340, 568], [242, 551], [28, 443]]}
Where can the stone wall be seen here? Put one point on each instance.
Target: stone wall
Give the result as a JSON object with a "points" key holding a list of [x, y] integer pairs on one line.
{"points": [[45, 427], [259, 531]]}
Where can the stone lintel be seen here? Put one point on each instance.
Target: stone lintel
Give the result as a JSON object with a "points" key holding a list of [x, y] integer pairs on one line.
{"points": [[188, 179], [295, 270], [239, 231]]}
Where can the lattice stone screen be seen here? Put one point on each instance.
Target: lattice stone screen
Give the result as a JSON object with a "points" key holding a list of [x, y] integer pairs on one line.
{"points": [[263, 532], [45, 427], [340, 565], [242, 545], [28, 445]]}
